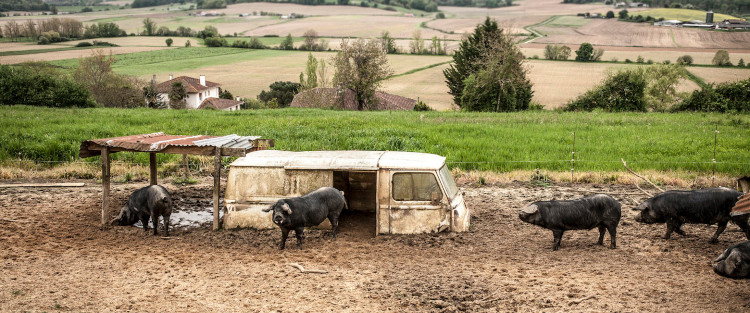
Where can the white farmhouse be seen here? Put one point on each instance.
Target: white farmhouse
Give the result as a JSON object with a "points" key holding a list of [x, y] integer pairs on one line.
{"points": [[200, 93]]}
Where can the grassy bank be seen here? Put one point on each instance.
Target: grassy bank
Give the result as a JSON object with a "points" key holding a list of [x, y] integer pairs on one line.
{"points": [[470, 141]]}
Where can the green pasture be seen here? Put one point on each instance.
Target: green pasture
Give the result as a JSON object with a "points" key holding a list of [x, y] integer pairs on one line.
{"points": [[268, 41], [180, 59], [481, 141], [567, 21], [681, 14]]}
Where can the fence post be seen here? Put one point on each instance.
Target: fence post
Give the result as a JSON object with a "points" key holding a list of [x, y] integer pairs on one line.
{"points": [[573, 160]]}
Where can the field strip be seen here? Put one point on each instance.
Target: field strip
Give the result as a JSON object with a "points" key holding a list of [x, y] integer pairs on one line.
{"points": [[412, 71], [671, 34], [23, 52], [534, 32]]}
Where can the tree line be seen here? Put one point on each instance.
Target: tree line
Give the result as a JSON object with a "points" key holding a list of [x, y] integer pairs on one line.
{"points": [[59, 29], [23, 5]]}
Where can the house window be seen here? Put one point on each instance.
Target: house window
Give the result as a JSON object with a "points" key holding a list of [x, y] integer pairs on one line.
{"points": [[415, 187], [200, 96]]}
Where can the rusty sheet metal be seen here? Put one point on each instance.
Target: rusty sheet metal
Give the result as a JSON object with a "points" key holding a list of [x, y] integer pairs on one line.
{"points": [[157, 142], [742, 206]]}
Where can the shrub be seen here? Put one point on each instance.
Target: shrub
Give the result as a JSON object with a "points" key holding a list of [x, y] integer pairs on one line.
{"points": [[25, 85], [215, 42], [169, 42], [721, 58], [621, 91], [421, 106], [685, 60], [84, 44], [729, 96], [281, 91], [440, 15], [556, 52], [586, 53]]}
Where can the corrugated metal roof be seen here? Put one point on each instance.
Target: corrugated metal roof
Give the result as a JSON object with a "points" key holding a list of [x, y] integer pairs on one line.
{"points": [[742, 206], [341, 160], [157, 142]]}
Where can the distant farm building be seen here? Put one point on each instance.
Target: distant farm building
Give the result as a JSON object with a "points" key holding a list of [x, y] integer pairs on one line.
{"points": [[200, 93], [733, 24], [346, 99]]}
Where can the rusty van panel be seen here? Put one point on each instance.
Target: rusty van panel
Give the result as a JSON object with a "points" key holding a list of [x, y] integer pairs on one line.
{"points": [[411, 221], [249, 183], [301, 182], [382, 216], [248, 216]]}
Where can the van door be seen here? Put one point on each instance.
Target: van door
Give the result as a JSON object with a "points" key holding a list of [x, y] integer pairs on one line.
{"points": [[417, 203]]}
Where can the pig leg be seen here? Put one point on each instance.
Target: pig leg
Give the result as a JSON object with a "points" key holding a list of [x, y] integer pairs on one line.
{"points": [[722, 227], [299, 233], [557, 233], [672, 226], [612, 236], [166, 224], [155, 221], [334, 224], [144, 220], [602, 230], [284, 235]]}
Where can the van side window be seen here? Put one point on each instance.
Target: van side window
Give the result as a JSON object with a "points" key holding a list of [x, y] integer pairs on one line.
{"points": [[415, 186]]}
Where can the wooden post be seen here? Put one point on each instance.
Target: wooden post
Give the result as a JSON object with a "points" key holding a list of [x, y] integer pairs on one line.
{"points": [[105, 185], [217, 185], [152, 166], [186, 165]]}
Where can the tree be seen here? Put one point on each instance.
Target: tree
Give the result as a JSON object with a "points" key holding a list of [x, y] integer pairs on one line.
{"points": [[225, 94], [169, 42], [280, 95], [311, 40], [556, 52], [685, 60], [177, 95], [584, 52], [741, 63], [149, 27], [623, 14], [187, 44], [108, 88], [152, 96], [436, 47], [721, 58], [288, 43], [487, 73], [624, 90], [416, 46], [312, 76], [610, 14], [388, 43], [322, 73], [361, 67], [662, 79]]}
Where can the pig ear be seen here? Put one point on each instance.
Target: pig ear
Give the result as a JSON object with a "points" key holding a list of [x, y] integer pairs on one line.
{"points": [[286, 208], [268, 209], [530, 209]]}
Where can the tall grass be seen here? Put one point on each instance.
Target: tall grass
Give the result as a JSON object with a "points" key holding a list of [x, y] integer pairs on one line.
{"points": [[470, 141]]}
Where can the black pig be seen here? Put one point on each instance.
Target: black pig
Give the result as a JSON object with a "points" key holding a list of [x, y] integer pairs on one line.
{"points": [[734, 262], [704, 206], [144, 204], [600, 211], [306, 211]]}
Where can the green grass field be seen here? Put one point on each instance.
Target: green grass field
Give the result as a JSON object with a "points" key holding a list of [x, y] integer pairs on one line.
{"points": [[470, 141], [681, 14], [568, 21], [177, 60]]}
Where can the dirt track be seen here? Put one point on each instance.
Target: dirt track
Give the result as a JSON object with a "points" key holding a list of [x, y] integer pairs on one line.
{"points": [[54, 257]]}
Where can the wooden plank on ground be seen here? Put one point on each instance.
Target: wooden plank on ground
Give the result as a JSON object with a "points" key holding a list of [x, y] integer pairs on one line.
{"points": [[42, 185]]}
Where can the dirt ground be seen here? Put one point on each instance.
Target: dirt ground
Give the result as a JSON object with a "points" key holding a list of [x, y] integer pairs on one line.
{"points": [[55, 257]]}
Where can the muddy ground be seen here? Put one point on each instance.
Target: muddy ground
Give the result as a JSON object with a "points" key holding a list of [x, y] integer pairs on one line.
{"points": [[55, 257]]}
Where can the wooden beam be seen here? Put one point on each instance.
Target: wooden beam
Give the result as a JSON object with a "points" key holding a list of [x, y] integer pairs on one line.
{"points": [[217, 185], [105, 185], [152, 167]]}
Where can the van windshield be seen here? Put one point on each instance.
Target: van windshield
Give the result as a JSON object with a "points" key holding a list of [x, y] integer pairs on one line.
{"points": [[447, 179]]}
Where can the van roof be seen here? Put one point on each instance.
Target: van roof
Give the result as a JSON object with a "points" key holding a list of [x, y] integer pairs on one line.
{"points": [[341, 160]]}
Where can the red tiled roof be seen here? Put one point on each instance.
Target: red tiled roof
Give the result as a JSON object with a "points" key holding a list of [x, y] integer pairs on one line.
{"points": [[192, 85], [218, 103], [347, 100]]}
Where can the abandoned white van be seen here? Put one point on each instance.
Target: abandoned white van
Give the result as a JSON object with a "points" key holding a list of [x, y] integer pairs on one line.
{"points": [[403, 192]]}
